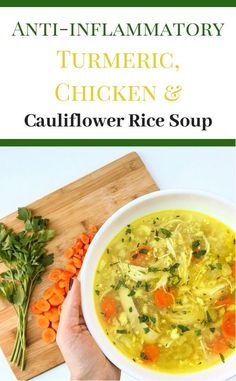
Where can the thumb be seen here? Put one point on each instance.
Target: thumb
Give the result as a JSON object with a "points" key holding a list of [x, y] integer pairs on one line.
{"points": [[71, 306]]}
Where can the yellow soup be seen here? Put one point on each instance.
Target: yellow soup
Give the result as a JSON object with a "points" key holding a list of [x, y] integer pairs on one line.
{"points": [[164, 291]]}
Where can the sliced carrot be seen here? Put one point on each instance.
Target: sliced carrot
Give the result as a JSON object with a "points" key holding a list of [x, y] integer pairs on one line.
{"points": [[43, 322], [60, 290], [81, 252], [48, 293], [93, 229], [78, 244], [91, 237], [49, 335], [42, 305], [55, 275], [226, 300], [66, 275], [84, 238], [77, 255], [70, 268], [228, 324], [77, 262], [218, 345], [109, 307], [52, 315], [139, 256], [34, 309], [55, 326], [62, 284], [56, 300], [68, 253], [163, 298], [150, 352]]}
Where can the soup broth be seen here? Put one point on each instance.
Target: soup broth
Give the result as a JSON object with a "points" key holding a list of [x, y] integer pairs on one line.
{"points": [[164, 291]]}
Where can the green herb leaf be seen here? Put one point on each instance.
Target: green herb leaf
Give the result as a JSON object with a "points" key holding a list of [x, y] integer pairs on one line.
{"points": [[166, 232], [123, 331], [195, 244], [212, 329], [146, 330], [47, 260], [23, 214], [143, 356], [97, 292], [130, 309], [209, 318], [143, 251], [199, 253], [131, 293], [183, 328], [143, 318], [198, 332], [152, 319], [153, 269], [222, 357]]}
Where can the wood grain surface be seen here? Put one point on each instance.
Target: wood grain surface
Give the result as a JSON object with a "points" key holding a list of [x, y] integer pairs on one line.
{"points": [[87, 201]]}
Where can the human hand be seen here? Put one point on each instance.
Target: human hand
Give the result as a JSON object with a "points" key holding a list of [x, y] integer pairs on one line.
{"points": [[81, 353]]}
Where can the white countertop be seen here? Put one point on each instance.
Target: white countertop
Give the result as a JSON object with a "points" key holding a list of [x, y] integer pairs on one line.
{"points": [[28, 173]]}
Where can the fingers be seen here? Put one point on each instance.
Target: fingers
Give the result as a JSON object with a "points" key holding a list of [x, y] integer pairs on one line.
{"points": [[70, 312]]}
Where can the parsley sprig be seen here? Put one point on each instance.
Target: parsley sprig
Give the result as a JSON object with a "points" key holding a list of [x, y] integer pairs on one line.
{"points": [[25, 257]]}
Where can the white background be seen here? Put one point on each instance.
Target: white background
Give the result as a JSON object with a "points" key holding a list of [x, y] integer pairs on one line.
{"points": [[29, 70], [30, 173]]}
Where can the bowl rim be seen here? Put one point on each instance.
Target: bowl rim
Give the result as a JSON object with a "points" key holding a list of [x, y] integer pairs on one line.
{"points": [[94, 326]]}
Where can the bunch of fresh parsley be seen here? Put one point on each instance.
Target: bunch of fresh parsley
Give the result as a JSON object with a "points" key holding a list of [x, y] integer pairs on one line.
{"points": [[25, 256]]}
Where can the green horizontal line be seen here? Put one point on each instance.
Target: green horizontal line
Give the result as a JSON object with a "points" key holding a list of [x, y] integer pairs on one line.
{"points": [[120, 3], [117, 142]]}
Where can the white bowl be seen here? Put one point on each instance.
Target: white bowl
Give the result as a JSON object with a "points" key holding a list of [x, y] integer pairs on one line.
{"points": [[161, 200]]}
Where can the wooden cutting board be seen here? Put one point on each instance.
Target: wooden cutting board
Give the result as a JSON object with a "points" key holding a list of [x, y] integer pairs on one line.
{"points": [[88, 201]]}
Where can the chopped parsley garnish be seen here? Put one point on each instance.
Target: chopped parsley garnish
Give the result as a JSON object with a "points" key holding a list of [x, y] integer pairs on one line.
{"points": [[97, 292], [146, 330], [195, 244], [130, 309], [143, 251], [199, 253], [108, 251], [174, 280], [143, 356], [121, 331], [173, 268], [183, 328], [114, 263], [120, 284], [143, 318], [209, 318], [152, 319], [146, 286], [128, 231], [153, 269], [198, 332], [212, 329], [132, 292], [138, 284], [222, 357], [166, 232]]}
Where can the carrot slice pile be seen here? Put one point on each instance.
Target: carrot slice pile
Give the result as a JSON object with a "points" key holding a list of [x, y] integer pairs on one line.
{"points": [[48, 308]]}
